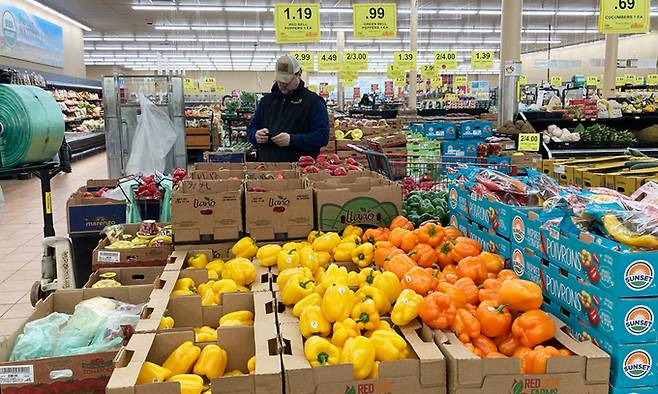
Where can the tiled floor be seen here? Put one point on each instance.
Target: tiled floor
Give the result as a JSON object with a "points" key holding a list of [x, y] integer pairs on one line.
{"points": [[21, 233]]}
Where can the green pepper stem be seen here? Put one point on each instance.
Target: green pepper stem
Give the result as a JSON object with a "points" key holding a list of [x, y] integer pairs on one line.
{"points": [[363, 318], [323, 358]]}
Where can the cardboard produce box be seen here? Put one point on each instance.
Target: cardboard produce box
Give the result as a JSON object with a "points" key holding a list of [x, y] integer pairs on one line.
{"points": [[219, 250], [64, 374], [207, 210], [269, 166], [587, 371], [565, 172], [91, 215], [102, 257], [272, 175], [128, 276], [217, 175], [389, 140], [201, 166], [283, 211], [424, 373], [524, 159]]}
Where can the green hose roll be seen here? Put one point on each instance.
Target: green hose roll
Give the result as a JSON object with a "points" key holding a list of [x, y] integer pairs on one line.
{"points": [[31, 125]]}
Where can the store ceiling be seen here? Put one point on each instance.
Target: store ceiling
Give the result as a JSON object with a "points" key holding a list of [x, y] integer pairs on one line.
{"points": [[226, 35]]}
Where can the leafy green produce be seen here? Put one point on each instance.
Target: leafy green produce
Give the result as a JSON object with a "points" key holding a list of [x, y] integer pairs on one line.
{"points": [[602, 133], [420, 206]]}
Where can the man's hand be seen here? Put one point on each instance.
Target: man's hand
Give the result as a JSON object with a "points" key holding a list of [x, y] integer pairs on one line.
{"points": [[262, 136], [282, 139]]}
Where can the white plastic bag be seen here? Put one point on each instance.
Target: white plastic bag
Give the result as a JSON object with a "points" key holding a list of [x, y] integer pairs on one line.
{"points": [[154, 137]]}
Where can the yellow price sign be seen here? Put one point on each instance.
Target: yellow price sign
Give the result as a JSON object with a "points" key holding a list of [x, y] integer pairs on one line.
{"points": [[591, 80], [460, 80], [556, 81], [445, 60], [189, 84], [630, 79], [208, 84], [393, 72], [328, 61], [523, 80], [221, 89], [620, 81], [348, 82], [639, 80], [305, 60], [313, 88], [529, 142], [624, 16], [436, 82], [482, 59], [356, 60], [294, 23], [428, 71], [348, 75], [376, 20], [652, 79], [400, 81], [405, 60]]}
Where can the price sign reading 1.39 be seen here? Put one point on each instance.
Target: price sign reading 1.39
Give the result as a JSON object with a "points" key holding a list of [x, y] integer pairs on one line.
{"points": [[356, 60], [295, 23], [445, 60], [305, 60], [375, 20], [482, 59], [328, 61], [405, 60], [624, 16]]}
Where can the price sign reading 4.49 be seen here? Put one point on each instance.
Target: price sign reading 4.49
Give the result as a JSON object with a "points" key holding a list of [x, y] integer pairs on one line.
{"points": [[529, 142], [356, 60], [624, 16], [405, 60], [305, 60], [445, 60], [328, 61], [295, 23], [482, 59], [375, 20]]}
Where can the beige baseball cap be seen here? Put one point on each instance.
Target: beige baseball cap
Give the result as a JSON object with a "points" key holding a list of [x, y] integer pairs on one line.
{"points": [[286, 68]]}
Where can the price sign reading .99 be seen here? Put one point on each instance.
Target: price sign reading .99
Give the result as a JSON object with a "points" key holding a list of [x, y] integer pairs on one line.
{"points": [[296, 23], [482, 59], [374, 20]]}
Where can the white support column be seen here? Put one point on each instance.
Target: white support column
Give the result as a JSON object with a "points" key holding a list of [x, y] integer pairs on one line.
{"points": [[510, 50], [610, 65], [340, 48], [413, 74]]}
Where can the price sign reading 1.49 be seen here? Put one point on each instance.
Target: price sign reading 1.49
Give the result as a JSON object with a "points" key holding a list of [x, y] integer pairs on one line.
{"points": [[328, 61], [356, 60], [295, 23], [305, 60], [405, 60], [445, 60], [624, 16], [482, 59], [375, 20]]}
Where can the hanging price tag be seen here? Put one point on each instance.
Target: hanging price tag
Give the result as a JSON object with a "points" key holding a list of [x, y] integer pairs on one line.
{"points": [[405, 60], [482, 59], [356, 60], [460, 81], [348, 82], [620, 81], [393, 72], [591, 80], [529, 142], [400, 81], [221, 89], [208, 84], [375, 20], [624, 16], [630, 79], [328, 61], [428, 71], [436, 82], [189, 84], [295, 23], [652, 79], [348, 77], [523, 80], [305, 60], [445, 60], [556, 81]]}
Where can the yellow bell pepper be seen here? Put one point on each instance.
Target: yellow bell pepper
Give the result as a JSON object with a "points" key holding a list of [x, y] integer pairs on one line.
{"points": [[288, 246], [267, 254], [304, 244], [365, 314], [185, 284], [383, 325], [363, 255], [237, 318], [297, 288], [189, 383], [287, 259], [313, 235], [308, 258], [353, 238], [382, 303], [361, 354], [245, 248], [151, 373], [406, 307], [333, 275], [389, 345], [208, 298], [367, 276], [337, 303], [212, 275], [205, 334], [389, 284], [319, 274], [197, 260], [343, 330], [216, 265], [182, 359], [374, 374], [212, 362], [223, 286], [235, 372], [243, 289], [319, 351], [343, 251], [241, 270], [251, 365], [285, 275], [324, 258], [352, 230], [166, 323], [326, 242], [312, 322], [313, 299], [178, 293], [353, 279]]}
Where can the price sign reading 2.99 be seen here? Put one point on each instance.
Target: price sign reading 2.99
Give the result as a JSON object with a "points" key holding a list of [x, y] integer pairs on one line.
{"points": [[294, 23], [305, 60], [374, 20]]}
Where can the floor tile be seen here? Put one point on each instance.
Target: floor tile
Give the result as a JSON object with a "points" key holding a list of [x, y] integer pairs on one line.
{"points": [[6, 265], [11, 297], [16, 285], [24, 274], [19, 311], [4, 308], [8, 326]]}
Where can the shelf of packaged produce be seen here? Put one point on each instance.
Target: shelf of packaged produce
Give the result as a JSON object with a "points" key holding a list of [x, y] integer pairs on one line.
{"points": [[84, 143], [82, 119], [597, 152], [541, 120], [392, 113]]}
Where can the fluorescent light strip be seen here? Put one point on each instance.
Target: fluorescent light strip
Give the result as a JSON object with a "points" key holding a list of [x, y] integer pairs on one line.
{"points": [[171, 27], [538, 13], [181, 39], [490, 12], [150, 39], [458, 12], [335, 10], [58, 14], [420, 11], [246, 9], [575, 13], [243, 28], [219, 40], [209, 28], [153, 7], [136, 48], [92, 38], [118, 39], [199, 7]]}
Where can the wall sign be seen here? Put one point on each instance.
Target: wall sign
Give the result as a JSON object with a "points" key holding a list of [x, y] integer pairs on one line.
{"points": [[295, 23], [375, 20]]}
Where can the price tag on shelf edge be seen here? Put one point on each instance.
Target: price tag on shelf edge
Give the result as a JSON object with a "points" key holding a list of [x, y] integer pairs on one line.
{"points": [[529, 142], [482, 59], [305, 60], [556, 81], [297, 23], [428, 71], [624, 16], [630, 78], [523, 80], [356, 60], [436, 82], [376, 20], [328, 61], [652, 79], [405, 60], [445, 60]]}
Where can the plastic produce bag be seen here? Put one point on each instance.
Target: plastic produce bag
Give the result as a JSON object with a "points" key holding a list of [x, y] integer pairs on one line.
{"points": [[155, 135], [39, 337]]}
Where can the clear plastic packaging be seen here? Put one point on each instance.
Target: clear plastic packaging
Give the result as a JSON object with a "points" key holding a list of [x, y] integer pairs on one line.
{"points": [[38, 337]]}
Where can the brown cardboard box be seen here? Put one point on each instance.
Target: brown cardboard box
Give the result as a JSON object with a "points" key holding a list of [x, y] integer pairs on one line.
{"points": [[128, 276], [91, 215], [79, 373], [425, 373], [285, 211], [565, 171], [344, 144], [359, 157], [525, 159], [269, 166], [102, 257], [239, 342], [272, 175], [207, 210], [586, 372], [200, 166], [217, 175], [219, 250], [389, 140]]}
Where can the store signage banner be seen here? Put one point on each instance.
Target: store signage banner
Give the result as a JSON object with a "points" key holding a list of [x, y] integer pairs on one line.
{"points": [[28, 37], [305, 60], [445, 60], [296, 23], [624, 16], [375, 20], [328, 61]]}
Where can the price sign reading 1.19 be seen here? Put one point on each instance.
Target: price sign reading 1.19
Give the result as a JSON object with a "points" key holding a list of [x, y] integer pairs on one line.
{"points": [[482, 59], [328, 61], [305, 60], [405, 60], [624, 16], [591, 80], [295, 23], [356, 60], [445, 60], [529, 142], [375, 20]]}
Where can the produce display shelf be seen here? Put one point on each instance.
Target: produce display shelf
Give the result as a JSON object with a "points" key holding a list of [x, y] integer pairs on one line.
{"points": [[541, 120], [598, 152], [83, 144]]}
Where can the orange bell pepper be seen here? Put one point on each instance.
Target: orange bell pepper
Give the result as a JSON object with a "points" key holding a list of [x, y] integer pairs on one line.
{"points": [[495, 318], [533, 328], [443, 253], [507, 344], [520, 295], [469, 288], [382, 253], [409, 241], [489, 290], [450, 273], [485, 344], [471, 308], [401, 222], [396, 236], [473, 349], [465, 326], [472, 267], [373, 235], [399, 265], [465, 247], [534, 361], [456, 294], [495, 355], [452, 232], [492, 261], [521, 351], [506, 274], [437, 310], [431, 234], [419, 280], [424, 255]]}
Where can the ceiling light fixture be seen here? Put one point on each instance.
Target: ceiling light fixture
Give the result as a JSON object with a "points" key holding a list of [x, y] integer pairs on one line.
{"points": [[92, 38], [458, 12], [209, 28], [575, 13], [490, 12], [538, 12], [171, 27], [335, 10], [199, 7], [58, 14], [150, 39], [245, 9], [244, 28], [153, 7]]}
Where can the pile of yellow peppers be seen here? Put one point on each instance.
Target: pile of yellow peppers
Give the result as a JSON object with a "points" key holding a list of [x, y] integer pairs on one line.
{"points": [[192, 367], [209, 334]]}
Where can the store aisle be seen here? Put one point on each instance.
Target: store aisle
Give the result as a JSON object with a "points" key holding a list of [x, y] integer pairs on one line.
{"points": [[21, 233]]}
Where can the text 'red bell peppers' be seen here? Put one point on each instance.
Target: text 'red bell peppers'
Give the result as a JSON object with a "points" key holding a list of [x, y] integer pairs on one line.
{"points": [[360, 353], [182, 359], [347, 328], [495, 319], [212, 362], [389, 345], [533, 327], [241, 270], [363, 255], [437, 310], [365, 314], [465, 326], [245, 248], [406, 307], [337, 303], [319, 351], [267, 255], [151, 373], [312, 322], [313, 299], [381, 300], [520, 295]]}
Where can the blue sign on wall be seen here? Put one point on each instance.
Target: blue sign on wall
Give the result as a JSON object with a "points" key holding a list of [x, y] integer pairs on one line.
{"points": [[28, 37]]}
